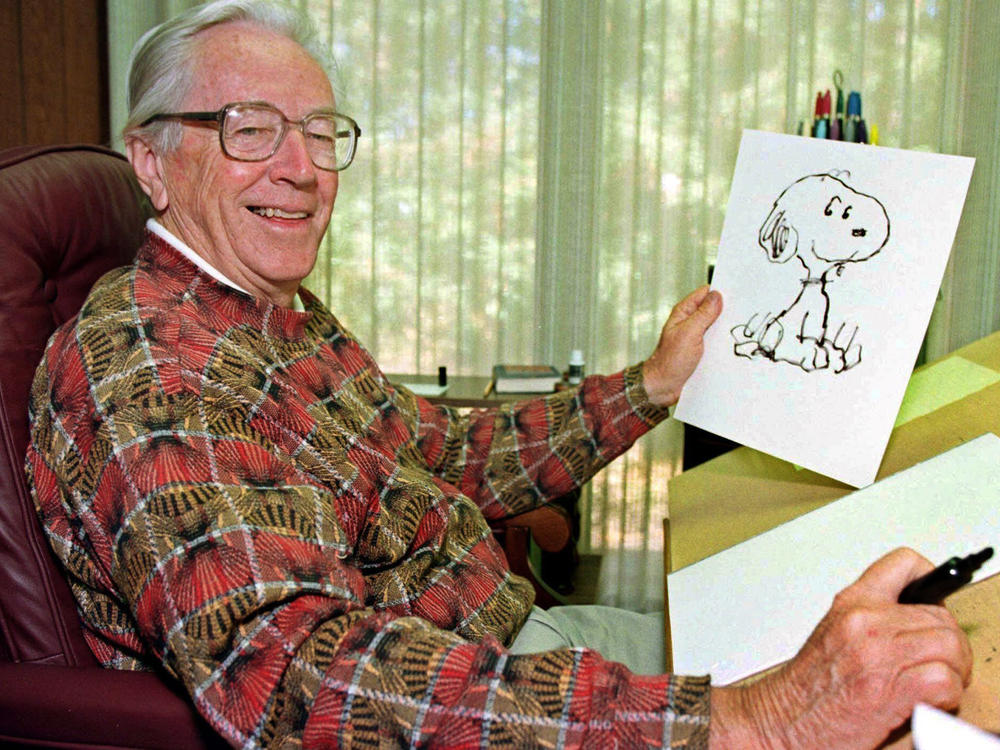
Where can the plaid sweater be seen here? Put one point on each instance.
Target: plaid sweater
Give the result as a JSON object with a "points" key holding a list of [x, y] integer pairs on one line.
{"points": [[239, 495]]}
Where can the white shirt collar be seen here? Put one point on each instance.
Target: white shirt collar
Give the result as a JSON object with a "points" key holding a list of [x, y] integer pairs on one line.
{"points": [[170, 238]]}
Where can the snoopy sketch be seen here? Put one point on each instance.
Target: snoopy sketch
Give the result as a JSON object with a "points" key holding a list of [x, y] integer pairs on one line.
{"points": [[826, 224]]}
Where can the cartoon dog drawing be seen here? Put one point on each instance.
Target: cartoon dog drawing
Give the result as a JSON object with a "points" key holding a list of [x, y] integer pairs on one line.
{"points": [[825, 224]]}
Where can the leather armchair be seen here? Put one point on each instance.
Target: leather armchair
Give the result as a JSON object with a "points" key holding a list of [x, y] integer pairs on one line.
{"points": [[69, 214]]}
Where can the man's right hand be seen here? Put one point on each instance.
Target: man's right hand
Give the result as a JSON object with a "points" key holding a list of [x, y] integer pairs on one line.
{"points": [[860, 673]]}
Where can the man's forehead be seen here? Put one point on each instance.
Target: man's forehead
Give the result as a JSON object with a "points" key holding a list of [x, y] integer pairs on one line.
{"points": [[242, 61]]}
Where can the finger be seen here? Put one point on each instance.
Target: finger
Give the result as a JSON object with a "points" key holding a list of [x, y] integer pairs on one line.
{"points": [[695, 298], [709, 309], [945, 644], [687, 306], [701, 307], [888, 575], [934, 683]]}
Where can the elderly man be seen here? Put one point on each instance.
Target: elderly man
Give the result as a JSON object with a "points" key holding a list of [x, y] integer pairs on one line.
{"points": [[240, 497]]}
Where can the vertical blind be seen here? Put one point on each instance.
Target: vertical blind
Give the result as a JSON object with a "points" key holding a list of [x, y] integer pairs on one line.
{"points": [[542, 175], [430, 256]]}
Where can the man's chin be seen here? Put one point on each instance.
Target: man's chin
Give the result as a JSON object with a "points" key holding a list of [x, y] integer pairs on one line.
{"points": [[291, 266]]}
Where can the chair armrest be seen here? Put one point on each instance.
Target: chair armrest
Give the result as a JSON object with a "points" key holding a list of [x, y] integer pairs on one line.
{"points": [[550, 526], [46, 705]]}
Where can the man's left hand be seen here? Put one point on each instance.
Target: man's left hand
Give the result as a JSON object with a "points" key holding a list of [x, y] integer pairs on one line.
{"points": [[681, 345]]}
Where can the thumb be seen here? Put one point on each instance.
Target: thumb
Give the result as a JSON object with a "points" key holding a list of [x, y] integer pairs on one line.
{"points": [[702, 304], [708, 310], [888, 575]]}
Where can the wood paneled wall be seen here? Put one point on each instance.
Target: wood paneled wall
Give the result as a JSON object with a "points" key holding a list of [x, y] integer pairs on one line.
{"points": [[53, 72]]}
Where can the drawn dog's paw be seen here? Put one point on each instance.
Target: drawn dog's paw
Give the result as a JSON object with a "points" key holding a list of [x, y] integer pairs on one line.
{"points": [[819, 360], [849, 358], [745, 336], [849, 353], [852, 356], [746, 332], [771, 337]]}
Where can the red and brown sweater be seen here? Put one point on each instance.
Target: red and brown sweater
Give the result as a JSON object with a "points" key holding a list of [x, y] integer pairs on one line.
{"points": [[238, 494]]}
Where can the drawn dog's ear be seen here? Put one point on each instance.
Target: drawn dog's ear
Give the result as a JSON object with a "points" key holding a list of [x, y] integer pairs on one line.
{"points": [[778, 237]]}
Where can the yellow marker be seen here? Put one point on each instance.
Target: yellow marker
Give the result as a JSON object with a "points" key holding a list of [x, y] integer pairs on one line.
{"points": [[873, 135]]}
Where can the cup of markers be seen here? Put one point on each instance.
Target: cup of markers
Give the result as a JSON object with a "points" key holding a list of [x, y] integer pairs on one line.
{"points": [[839, 119]]}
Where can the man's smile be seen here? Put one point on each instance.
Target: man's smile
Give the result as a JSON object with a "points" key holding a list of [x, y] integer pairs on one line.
{"points": [[271, 212]]}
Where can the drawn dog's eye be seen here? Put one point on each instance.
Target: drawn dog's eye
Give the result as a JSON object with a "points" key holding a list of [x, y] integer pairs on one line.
{"points": [[828, 211], [847, 213]]}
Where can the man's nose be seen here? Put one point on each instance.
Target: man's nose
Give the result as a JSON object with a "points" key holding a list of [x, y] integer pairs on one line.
{"points": [[292, 157]]}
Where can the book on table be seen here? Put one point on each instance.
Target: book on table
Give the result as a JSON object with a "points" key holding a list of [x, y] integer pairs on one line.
{"points": [[525, 378]]}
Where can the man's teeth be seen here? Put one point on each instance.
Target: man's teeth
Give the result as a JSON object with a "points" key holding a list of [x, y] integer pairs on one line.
{"points": [[277, 212]]}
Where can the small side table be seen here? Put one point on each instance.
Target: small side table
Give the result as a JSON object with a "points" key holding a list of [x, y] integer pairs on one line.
{"points": [[463, 390]]}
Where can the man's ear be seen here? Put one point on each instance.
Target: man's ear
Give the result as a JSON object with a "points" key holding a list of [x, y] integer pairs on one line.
{"points": [[148, 170]]}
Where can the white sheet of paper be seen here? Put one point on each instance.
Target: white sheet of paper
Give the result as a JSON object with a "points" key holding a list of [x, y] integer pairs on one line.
{"points": [[934, 729], [426, 389], [753, 605], [854, 261]]}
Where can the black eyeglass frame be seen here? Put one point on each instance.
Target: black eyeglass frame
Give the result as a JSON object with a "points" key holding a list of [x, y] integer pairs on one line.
{"points": [[219, 117]]}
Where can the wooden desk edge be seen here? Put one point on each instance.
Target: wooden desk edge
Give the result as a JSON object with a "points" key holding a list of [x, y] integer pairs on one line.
{"points": [[668, 643], [465, 391]]}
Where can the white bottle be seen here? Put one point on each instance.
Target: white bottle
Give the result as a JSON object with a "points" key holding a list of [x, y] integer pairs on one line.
{"points": [[575, 374]]}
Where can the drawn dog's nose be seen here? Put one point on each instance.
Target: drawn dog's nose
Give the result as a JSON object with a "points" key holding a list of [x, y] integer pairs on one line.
{"points": [[859, 232]]}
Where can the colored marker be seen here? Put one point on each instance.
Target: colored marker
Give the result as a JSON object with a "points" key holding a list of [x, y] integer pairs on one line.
{"points": [[861, 132], [837, 121], [945, 579]]}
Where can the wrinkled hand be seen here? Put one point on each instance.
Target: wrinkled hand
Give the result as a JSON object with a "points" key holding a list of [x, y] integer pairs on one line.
{"points": [[858, 677], [681, 345]]}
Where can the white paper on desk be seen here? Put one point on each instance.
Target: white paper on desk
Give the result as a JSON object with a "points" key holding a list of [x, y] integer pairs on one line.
{"points": [[426, 389], [830, 242], [753, 605], [934, 729]]}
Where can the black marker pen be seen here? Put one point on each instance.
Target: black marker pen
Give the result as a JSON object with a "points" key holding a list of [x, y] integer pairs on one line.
{"points": [[945, 579]]}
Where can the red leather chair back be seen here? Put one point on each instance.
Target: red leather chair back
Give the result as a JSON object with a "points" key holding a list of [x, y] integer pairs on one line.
{"points": [[68, 214]]}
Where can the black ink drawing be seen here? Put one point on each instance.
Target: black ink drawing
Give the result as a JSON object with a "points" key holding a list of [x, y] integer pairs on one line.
{"points": [[825, 224]]}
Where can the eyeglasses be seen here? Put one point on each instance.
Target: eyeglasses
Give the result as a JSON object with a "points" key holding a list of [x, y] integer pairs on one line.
{"points": [[253, 131]]}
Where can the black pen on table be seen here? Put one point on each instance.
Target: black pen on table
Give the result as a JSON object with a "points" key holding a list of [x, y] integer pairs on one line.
{"points": [[945, 579]]}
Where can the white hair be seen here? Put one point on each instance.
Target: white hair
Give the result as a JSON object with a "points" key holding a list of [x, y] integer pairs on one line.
{"points": [[162, 65]]}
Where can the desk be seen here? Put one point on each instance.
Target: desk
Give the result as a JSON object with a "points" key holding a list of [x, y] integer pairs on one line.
{"points": [[745, 492], [463, 390]]}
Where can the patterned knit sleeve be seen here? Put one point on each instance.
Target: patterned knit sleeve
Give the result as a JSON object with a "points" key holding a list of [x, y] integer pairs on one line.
{"points": [[224, 565], [518, 455]]}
